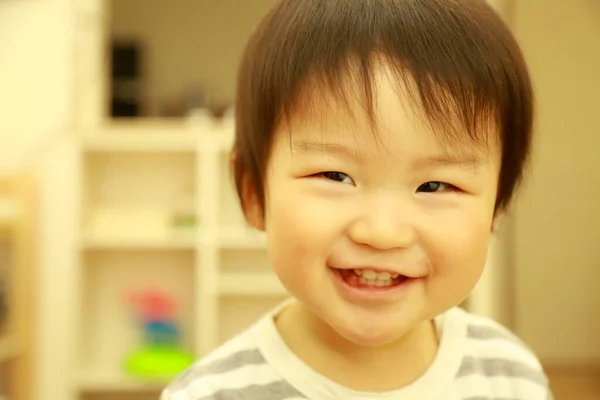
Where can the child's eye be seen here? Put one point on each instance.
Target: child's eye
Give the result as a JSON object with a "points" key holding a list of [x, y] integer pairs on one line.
{"points": [[432, 187], [337, 176]]}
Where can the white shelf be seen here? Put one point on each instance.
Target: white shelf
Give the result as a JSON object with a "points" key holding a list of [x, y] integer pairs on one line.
{"points": [[241, 239], [157, 135], [225, 137], [125, 170], [123, 234], [8, 347], [177, 142], [164, 126], [250, 284], [140, 244], [143, 135], [109, 381]]}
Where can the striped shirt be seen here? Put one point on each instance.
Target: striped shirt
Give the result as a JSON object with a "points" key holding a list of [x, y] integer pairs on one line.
{"points": [[477, 359]]}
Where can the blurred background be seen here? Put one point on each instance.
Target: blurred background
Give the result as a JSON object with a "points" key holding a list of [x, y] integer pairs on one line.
{"points": [[119, 227]]}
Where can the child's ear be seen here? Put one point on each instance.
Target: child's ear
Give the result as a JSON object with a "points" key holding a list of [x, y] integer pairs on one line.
{"points": [[497, 221], [252, 208]]}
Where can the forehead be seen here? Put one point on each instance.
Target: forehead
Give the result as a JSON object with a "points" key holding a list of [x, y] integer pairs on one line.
{"points": [[392, 121]]}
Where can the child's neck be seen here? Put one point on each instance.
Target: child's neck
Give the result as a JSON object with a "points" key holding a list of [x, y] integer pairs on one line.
{"points": [[380, 369]]}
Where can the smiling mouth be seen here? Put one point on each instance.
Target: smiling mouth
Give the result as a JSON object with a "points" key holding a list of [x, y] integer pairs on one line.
{"points": [[365, 278]]}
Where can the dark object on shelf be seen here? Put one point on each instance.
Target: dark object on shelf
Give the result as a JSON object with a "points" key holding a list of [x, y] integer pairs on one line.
{"points": [[126, 80], [219, 110]]}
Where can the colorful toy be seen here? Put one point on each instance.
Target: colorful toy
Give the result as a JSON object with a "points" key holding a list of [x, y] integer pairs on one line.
{"points": [[161, 356]]}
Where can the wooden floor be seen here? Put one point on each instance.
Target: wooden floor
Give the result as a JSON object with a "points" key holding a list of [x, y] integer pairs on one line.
{"points": [[575, 386]]}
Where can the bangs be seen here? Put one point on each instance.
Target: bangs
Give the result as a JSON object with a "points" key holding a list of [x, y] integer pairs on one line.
{"points": [[454, 123]]}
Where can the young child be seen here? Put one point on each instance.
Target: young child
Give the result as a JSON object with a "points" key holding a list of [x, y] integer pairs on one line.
{"points": [[377, 141]]}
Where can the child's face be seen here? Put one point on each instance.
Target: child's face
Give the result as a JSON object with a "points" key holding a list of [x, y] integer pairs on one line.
{"points": [[339, 200]]}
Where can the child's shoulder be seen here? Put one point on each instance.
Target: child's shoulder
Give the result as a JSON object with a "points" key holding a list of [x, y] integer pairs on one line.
{"points": [[211, 372], [238, 366], [488, 337], [495, 352]]}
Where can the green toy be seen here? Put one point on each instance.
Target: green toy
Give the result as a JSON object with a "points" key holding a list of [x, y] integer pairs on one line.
{"points": [[161, 356]]}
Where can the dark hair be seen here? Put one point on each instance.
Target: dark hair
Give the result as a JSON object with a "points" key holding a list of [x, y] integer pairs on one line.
{"points": [[462, 61]]}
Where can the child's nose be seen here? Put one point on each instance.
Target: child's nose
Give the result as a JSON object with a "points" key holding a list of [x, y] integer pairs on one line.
{"points": [[384, 226]]}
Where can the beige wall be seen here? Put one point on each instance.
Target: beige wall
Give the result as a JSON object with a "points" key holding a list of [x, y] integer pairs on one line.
{"points": [[557, 224], [34, 79], [188, 42]]}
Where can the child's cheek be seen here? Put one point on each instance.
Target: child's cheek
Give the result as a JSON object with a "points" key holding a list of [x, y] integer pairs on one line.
{"points": [[300, 238], [459, 246]]}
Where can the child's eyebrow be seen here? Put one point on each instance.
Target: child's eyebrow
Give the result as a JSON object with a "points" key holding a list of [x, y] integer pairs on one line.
{"points": [[465, 158], [307, 146], [444, 160]]}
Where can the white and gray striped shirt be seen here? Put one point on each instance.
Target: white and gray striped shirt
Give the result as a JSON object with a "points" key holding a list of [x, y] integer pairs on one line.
{"points": [[477, 360]]}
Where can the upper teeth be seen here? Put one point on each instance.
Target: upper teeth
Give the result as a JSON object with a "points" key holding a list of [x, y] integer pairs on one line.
{"points": [[370, 274]]}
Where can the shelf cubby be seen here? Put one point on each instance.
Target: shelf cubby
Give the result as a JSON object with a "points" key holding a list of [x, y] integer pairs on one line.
{"points": [[110, 328]]}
